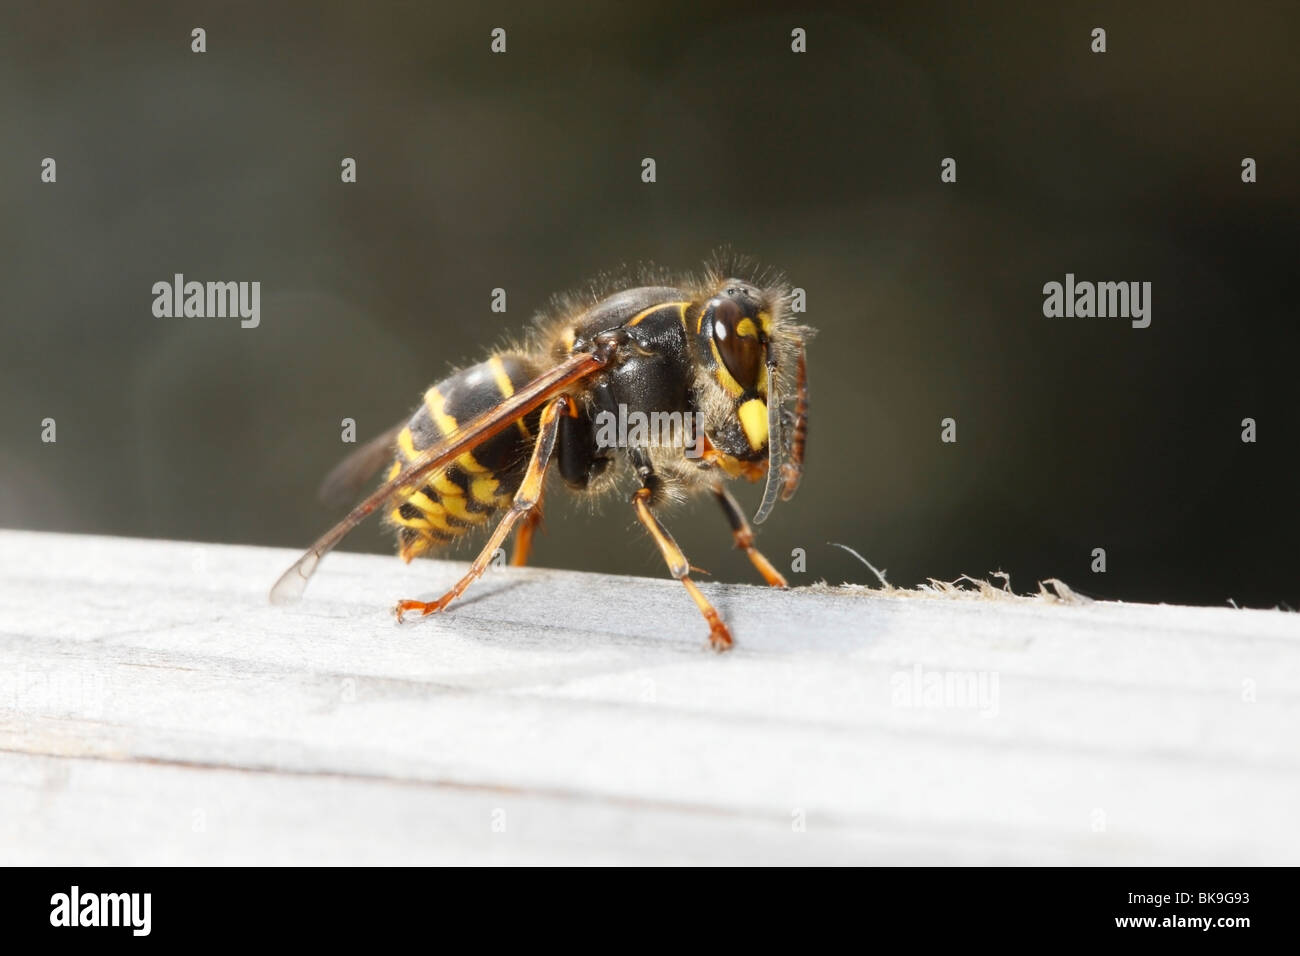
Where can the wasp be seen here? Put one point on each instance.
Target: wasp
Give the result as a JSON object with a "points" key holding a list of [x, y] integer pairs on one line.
{"points": [[722, 351]]}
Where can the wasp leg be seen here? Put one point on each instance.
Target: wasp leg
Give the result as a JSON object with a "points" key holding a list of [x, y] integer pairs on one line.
{"points": [[744, 536], [524, 537], [525, 500], [679, 567]]}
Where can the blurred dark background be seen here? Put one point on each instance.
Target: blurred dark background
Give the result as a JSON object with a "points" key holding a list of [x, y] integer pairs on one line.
{"points": [[523, 171]]}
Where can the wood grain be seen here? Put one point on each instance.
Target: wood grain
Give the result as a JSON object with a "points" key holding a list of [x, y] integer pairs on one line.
{"points": [[154, 708]]}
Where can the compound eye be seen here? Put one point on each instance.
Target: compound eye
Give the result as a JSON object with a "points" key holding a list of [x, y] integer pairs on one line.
{"points": [[739, 343]]}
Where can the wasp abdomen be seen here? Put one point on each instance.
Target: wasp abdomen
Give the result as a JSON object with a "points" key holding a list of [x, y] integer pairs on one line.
{"points": [[466, 493]]}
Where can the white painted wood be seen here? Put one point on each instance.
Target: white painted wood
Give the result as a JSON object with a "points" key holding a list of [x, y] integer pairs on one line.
{"points": [[154, 708]]}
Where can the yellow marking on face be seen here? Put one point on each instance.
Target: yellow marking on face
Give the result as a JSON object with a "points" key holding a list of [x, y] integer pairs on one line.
{"points": [[722, 373], [746, 328], [484, 490], [753, 419]]}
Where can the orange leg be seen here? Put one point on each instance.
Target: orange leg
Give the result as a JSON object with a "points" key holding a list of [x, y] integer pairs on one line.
{"points": [[744, 536], [524, 537], [680, 568], [525, 501]]}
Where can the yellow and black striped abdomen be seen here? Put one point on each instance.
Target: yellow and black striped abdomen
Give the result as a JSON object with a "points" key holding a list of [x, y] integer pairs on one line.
{"points": [[466, 493]]}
